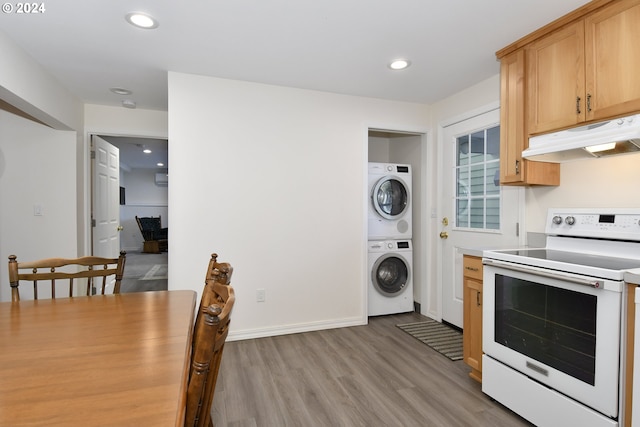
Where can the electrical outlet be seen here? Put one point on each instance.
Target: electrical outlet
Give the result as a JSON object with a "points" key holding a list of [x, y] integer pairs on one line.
{"points": [[260, 295]]}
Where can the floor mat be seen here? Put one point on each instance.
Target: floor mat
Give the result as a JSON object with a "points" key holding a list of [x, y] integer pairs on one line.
{"points": [[440, 337]]}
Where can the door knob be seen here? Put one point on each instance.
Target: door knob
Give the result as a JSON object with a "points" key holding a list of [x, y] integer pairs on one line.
{"points": [[444, 234], [120, 228]]}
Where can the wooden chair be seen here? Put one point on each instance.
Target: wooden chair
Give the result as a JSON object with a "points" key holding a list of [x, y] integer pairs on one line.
{"points": [[59, 271], [210, 332], [156, 238]]}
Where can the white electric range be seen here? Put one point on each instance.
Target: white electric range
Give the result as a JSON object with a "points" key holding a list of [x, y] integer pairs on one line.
{"points": [[553, 319]]}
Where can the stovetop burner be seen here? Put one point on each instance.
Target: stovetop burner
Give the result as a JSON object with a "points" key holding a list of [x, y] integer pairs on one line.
{"points": [[576, 258], [601, 243]]}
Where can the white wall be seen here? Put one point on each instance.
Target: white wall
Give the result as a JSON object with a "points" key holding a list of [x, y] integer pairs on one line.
{"points": [[379, 149], [474, 98], [274, 180], [119, 121], [36, 168], [26, 85], [606, 182]]}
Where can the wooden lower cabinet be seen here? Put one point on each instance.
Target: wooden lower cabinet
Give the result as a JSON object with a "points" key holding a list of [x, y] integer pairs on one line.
{"points": [[472, 318]]}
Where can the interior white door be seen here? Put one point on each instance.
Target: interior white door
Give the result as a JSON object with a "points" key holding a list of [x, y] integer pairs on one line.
{"points": [[476, 211], [105, 198]]}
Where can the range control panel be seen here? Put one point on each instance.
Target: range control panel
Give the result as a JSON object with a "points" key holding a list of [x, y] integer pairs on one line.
{"points": [[618, 224]]}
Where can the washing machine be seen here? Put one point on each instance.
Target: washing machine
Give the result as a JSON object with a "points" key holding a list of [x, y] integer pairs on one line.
{"points": [[389, 201], [390, 277]]}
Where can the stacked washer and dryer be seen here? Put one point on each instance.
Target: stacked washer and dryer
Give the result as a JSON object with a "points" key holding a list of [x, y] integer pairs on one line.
{"points": [[390, 253]]}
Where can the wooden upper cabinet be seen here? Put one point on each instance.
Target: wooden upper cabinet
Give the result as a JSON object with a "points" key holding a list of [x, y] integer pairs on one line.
{"points": [[514, 170], [555, 83], [512, 124], [612, 55], [586, 70]]}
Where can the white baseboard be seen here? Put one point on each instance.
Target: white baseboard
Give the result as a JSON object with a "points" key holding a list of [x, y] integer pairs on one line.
{"points": [[294, 329]]}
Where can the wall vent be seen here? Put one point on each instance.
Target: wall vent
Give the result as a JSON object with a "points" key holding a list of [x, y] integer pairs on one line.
{"points": [[162, 179]]}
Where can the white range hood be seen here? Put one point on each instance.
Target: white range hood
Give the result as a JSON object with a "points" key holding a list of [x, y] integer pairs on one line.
{"points": [[616, 136]]}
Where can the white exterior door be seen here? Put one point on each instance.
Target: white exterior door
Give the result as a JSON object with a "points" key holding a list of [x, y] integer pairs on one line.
{"points": [[476, 211], [105, 198]]}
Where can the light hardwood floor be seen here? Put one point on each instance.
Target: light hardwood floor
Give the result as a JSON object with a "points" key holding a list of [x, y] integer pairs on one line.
{"points": [[373, 375]]}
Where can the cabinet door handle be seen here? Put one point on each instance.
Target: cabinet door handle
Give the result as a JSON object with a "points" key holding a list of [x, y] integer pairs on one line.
{"points": [[589, 102], [517, 167], [478, 302], [577, 105]]}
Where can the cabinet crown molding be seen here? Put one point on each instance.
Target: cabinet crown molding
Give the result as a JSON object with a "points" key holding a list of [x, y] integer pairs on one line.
{"points": [[558, 23]]}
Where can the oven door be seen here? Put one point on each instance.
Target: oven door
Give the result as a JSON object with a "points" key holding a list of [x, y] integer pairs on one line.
{"points": [[556, 329]]}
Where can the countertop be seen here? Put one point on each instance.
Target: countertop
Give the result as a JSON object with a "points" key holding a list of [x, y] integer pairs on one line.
{"points": [[534, 240], [632, 276], [478, 251], [471, 251]]}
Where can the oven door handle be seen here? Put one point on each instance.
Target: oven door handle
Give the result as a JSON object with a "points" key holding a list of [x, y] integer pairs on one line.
{"points": [[544, 273]]}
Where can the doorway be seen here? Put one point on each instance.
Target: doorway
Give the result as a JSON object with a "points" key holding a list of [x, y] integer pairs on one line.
{"points": [[143, 177], [408, 148], [476, 211]]}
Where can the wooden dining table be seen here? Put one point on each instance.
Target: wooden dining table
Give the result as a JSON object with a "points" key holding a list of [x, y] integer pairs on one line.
{"points": [[106, 360]]}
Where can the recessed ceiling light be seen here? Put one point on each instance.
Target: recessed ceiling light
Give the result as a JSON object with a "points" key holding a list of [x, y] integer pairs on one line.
{"points": [[399, 64], [141, 20], [120, 91], [160, 164], [146, 151]]}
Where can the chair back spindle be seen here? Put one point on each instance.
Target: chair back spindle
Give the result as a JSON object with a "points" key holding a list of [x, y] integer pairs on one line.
{"points": [[64, 271]]}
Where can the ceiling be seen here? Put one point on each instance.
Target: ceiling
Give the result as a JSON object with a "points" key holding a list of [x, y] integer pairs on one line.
{"points": [[340, 46], [132, 156]]}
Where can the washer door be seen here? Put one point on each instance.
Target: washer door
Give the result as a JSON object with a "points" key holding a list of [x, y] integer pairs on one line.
{"points": [[390, 198], [390, 275]]}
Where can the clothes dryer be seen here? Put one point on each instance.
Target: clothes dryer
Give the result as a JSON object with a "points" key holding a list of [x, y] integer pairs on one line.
{"points": [[389, 201], [390, 277]]}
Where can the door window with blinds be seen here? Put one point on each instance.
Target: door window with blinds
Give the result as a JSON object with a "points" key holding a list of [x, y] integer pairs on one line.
{"points": [[477, 195]]}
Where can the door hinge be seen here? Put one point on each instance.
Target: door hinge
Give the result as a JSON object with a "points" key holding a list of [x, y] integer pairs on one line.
{"points": [[517, 229], [93, 154], [93, 222]]}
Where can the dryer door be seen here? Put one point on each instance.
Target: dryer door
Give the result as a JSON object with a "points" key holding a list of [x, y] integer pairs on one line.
{"points": [[390, 197], [390, 275]]}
